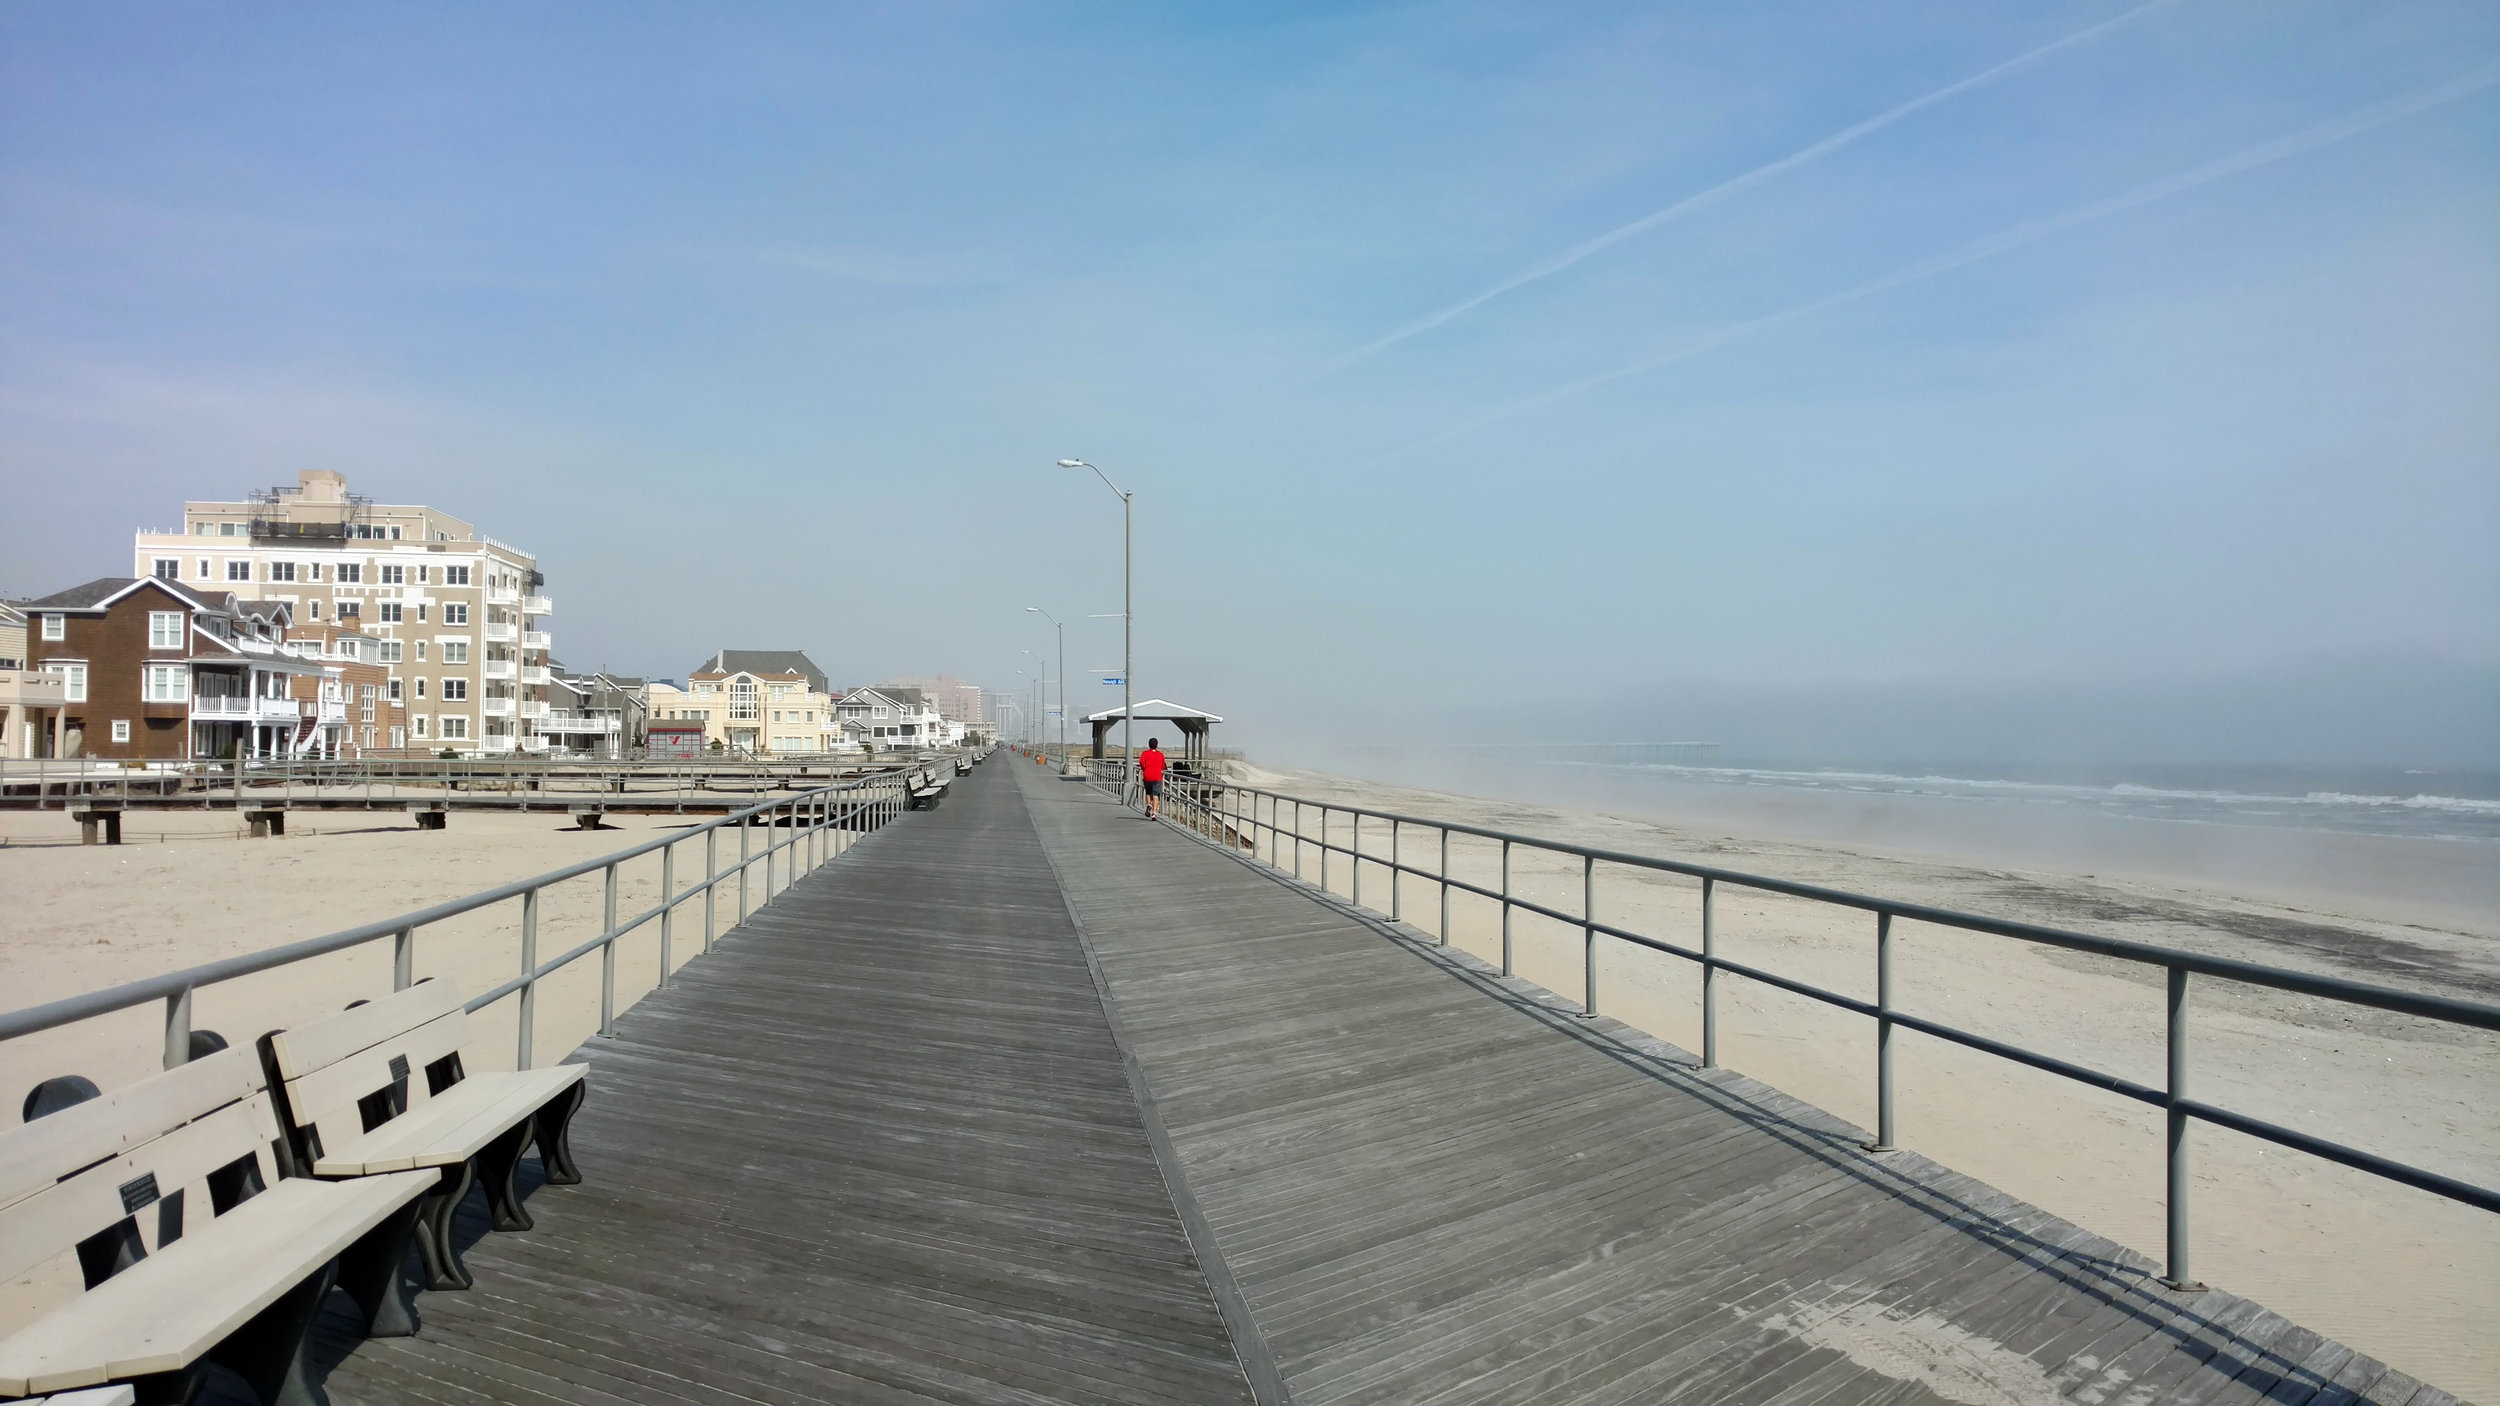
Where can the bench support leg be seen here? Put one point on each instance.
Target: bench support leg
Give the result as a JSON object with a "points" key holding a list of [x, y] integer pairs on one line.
{"points": [[435, 1209], [496, 1164], [268, 1352], [555, 1145], [374, 1274]]}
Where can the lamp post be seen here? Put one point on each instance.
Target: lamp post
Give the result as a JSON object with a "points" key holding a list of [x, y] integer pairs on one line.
{"points": [[1128, 625], [1063, 677], [1041, 699]]}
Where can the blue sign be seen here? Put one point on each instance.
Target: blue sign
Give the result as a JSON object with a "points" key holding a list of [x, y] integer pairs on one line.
{"points": [[1113, 682]]}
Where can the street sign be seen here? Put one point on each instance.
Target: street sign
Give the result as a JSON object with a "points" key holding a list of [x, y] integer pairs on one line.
{"points": [[1113, 682]]}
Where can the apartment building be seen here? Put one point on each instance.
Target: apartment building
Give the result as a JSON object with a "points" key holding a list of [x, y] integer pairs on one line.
{"points": [[457, 619], [597, 714], [152, 671], [759, 702], [356, 709]]}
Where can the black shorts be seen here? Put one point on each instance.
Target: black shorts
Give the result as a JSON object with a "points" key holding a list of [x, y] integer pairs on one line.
{"points": [[1154, 788]]}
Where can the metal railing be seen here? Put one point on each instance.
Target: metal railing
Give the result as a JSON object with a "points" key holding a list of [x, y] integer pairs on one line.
{"points": [[818, 824], [1231, 815]]}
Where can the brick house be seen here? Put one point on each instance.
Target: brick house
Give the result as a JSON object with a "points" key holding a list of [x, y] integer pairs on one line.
{"points": [[153, 671]]}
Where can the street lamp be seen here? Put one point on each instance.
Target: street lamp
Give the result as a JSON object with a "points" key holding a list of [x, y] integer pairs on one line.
{"points": [[1128, 624], [1063, 677], [1041, 698]]}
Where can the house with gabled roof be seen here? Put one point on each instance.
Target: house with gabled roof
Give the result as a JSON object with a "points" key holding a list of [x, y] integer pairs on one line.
{"points": [[153, 671], [755, 702]]}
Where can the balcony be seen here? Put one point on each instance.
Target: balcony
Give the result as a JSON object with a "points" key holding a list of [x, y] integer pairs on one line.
{"points": [[535, 707], [503, 595], [536, 674], [239, 708], [502, 633], [497, 707], [537, 605], [273, 530], [533, 744], [497, 744], [574, 721], [25, 688], [537, 639], [502, 669]]}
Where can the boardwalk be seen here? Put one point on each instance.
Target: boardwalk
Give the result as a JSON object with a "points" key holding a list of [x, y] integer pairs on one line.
{"points": [[884, 1148], [878, 1148]]}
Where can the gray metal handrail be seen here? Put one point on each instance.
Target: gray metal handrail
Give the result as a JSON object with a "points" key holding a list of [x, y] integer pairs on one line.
{"points": [[816, 821], [1218, 807]]}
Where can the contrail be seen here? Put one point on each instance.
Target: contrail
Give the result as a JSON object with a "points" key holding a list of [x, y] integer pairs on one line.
{"points": [[1735, 186], [2351, 124]]}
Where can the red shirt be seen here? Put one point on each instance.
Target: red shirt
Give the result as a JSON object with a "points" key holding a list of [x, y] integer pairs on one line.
{"points": [[1150, 764]]}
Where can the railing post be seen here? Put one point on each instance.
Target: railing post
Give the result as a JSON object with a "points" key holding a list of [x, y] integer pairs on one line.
{"points": [[1442, 933], [2180, 1276], [529, 977], [607, 961], [711, 881], [1397, 878], [746, 840], [1588, 937], [1505, 907], [404, 959], [178, 1028], [772, 847], [1297, 839], [668, 904], [1883, 1035], [1709, 979], [1323, 849], [1358, 859]]}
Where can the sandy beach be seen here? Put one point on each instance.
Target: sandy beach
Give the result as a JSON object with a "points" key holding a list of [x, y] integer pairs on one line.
{"points": [[2408, 1277], [2402, 1275]]}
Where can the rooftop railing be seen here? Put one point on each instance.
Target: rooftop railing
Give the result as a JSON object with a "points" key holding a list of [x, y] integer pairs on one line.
{"points": [[1247, 817]]}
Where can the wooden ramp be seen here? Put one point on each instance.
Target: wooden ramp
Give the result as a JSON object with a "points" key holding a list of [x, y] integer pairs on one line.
{"points": [[1434, 1185], [896, 1145], [880, 1147]]}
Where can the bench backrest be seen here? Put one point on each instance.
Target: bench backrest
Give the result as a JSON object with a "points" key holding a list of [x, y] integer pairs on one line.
{"points": [[347, 1074], [120, 1175]]}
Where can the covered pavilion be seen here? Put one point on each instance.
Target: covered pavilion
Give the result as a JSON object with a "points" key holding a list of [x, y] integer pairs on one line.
{"points": [[1193, 723]]}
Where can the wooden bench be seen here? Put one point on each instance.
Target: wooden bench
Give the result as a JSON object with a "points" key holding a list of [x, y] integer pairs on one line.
{"points": [[191, 1248], [923, 791], [379, 1088]]}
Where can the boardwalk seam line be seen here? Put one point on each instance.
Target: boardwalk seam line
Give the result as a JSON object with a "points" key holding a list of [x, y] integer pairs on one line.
{"points": [[1258, 1365]]}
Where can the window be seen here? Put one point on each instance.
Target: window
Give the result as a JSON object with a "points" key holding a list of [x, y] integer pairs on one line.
{"points": [[455, 690], [56, 627], [455, 652], [395, 693], [226, 529], [420, 688], [351, 573], [199, 529], [455, 727], [121, 730], [203, 568], [422, 574], [393, 575], [420, 612], [73, 680], [238, 571], [416, 725], [420, 649], [351, 610], [164, 629], [390, 611], [312, 571], [316, 609], [281, 571], [165, 683], [455, 575], [168, 568], [399, 737], [455, 614], [387, 652]]}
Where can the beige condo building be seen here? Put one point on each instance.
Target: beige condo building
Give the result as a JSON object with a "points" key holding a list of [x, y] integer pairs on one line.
{"points": [[757, 702], [458, 618]]}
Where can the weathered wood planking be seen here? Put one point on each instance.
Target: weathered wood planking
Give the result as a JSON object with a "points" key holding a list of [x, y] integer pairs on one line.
{"points": [[880, 1149], [1433, 1184]]}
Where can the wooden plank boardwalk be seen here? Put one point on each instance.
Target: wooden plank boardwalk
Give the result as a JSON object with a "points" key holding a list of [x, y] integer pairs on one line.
{"points": [[1029, 1100], [1432, 1184], [880, 1148]]}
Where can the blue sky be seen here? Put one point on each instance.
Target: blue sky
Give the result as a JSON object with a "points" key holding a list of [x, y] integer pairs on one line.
{"points": [[762, 326]]}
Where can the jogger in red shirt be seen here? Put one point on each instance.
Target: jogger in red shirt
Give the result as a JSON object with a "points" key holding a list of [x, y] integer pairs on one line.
{"points": [[1150, 765]]}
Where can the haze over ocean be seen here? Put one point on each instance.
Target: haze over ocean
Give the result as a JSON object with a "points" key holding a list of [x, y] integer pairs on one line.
{"points": [[2085, 382]]}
